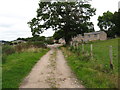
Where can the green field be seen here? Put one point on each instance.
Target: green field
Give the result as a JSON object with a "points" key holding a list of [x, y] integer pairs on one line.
{"points": [[18, 65], [94, 72]]}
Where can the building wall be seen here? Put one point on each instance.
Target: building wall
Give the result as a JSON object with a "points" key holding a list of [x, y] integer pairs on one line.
{"points": [[87, 37], [103, 36], [90, 37]]}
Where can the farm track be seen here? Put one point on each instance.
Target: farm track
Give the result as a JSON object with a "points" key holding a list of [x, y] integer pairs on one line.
{"points": [[51, 71]]}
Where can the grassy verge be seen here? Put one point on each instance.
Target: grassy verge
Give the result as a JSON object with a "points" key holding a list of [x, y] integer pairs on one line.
{"points": [[96, 72], [18, 65]]}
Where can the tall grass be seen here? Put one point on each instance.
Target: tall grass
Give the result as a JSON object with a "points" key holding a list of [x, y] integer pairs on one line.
{"points": [[0, 66], [18, 65], [18, 60], [7, 50], [10, 49], [95, 72]]}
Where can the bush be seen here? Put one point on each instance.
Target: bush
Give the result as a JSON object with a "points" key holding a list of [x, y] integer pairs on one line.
{"points": [[23, 46], [37, 44], [7, 50]]}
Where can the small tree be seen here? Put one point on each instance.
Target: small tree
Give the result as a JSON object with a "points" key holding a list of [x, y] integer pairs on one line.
{"points": [[110, 23], [105, 23], [116, 21]]}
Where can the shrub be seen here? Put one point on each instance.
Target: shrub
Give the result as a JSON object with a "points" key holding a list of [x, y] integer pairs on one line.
{"points": [[38, 44], [7, 50]]}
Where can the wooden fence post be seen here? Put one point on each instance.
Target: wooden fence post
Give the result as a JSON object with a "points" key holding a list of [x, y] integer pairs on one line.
{"points": [[70, 43], [77, 45], [91, 51], [74, 45], [83, 48], [78, 49], [111, 57]]}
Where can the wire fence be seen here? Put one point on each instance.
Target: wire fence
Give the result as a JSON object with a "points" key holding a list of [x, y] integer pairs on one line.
{"points": [[107, 53]]}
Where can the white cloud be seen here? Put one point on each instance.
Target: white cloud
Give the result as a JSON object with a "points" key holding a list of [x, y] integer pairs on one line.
{"points": [[14, 15], [48, 32]]}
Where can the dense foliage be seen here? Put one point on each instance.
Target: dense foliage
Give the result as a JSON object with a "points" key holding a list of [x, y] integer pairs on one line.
{"points": [[71, 17], [110, 23], [38, 39]]}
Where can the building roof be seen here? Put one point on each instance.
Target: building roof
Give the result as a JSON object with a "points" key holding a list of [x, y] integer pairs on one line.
{"points": [[93, 33]]}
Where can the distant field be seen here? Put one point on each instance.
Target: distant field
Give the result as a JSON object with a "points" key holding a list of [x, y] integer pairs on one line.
{"points": [[18, 65], [96, 72]]}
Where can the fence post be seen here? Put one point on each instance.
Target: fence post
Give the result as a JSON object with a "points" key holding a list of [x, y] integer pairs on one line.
{"points": [[83, 48], [77, 48], [77, 45], [70, 43], [73, 45], [91, 51], [111, 57]]}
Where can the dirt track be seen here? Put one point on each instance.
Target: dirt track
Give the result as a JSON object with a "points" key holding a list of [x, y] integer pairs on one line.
{"points": [[51, 71]]}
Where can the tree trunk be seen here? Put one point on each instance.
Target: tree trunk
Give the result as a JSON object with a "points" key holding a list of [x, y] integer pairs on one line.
{"points": [[67, 39], [67, 42]]}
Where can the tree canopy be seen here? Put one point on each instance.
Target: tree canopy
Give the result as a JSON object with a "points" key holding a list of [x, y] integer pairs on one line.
{"points": [[58, 34], [116, 21], [71, 17], [110, 23]]}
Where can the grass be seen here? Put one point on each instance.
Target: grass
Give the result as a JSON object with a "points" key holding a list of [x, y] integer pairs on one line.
{"points": [[0, 66], [18, 65], [96, 72]]}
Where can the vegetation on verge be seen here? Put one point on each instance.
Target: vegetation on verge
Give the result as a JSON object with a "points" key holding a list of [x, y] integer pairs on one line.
{"points": [[18, 64], [96, 72]]}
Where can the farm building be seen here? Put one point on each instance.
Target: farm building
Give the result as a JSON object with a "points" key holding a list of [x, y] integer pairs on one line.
{"points": [[95, 36], [92, 36]]}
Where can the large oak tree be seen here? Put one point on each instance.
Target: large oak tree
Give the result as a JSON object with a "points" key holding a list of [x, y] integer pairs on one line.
{"points": [[71, 17]]}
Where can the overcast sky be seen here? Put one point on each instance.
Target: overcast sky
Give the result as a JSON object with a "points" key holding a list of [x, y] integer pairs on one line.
{"points": [[14, 15]]}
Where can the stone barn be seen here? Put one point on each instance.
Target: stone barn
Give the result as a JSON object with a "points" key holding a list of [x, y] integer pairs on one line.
{"points": [[92, 36], [101, 35]]}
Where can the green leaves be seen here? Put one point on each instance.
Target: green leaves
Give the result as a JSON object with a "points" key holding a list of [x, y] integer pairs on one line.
{"points": [[66, 16], [110, 23]]}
